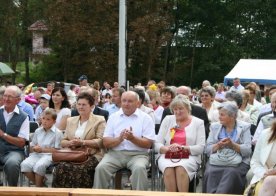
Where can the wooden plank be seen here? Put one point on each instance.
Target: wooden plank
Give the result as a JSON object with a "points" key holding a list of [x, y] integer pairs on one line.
{"points": [[34, 191], [109, 192]]}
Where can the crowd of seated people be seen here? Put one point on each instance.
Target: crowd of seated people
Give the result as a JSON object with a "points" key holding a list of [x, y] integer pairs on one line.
{"points": [[132, 123]]}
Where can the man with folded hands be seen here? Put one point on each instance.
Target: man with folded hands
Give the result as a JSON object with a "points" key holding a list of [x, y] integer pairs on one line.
{"points": [[14, 132], [129, 135]]}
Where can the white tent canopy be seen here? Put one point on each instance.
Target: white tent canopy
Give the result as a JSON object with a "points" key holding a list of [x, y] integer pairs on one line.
{"points": [[253, 70]]}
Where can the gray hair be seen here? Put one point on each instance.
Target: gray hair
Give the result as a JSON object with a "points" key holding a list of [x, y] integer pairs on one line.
{"points": [[17, 90], [184, 90], [2, 91], [234, 96], [173, 89], [208, 89], [147, 98], [141, 88], [181, 100], [189, 90], [206, 83], [230, 107]]}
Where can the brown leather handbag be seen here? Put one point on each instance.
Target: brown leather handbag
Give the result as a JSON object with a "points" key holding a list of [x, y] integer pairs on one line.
{"points": [[77, 156]]}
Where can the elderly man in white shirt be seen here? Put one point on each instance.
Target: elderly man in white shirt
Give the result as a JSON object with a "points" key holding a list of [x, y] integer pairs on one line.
{"points": [[14, 132], [129, 135]]}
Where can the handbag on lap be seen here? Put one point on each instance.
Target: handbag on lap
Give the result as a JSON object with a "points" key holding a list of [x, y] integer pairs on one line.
{"points": [[225, 157], [78, 156], [180, 153]]}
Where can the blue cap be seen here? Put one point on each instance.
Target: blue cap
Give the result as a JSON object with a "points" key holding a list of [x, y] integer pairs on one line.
{"points": [[83, 77]]}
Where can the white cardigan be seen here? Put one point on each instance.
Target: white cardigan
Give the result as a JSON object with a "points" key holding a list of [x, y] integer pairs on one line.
{"points": [[260, 156], [195, 135]]}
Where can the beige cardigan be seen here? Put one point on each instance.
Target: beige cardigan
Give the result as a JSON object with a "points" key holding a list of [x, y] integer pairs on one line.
{"points": [[94, 131]]}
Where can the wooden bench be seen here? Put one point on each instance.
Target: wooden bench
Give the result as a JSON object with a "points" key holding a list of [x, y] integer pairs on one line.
{"points": [[110, 192], [33, 191]]}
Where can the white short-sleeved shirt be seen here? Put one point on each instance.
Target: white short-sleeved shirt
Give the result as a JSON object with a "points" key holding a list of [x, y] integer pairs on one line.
{"points": [[24, 130], [141, 123], [238, 88], [62, 112], [49, 139]]}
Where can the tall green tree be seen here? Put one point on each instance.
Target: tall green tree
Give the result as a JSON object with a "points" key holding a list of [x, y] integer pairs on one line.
{"points": [[214, 35], [10, 33], [84, 36], [149, 30], [179, 41]]}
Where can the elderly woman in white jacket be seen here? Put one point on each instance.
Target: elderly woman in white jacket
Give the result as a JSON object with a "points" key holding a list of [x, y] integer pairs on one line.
{"points": [[263, 162], [180, 130]]}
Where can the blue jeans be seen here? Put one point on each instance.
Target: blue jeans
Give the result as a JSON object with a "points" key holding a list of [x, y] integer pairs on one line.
{"points": [[11, 162]]}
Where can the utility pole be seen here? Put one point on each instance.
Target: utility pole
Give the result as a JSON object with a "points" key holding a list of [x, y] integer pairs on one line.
{"points": [[122, 43]]}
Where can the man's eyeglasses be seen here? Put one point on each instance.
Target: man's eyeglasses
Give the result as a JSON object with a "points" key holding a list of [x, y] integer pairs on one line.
{"points": [[10, 97]]}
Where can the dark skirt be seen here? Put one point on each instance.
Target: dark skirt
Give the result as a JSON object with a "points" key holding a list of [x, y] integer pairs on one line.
{"points": [[68, 175], [225, 179]]}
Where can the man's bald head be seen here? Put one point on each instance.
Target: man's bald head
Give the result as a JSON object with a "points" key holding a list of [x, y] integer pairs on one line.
{"points": [[184, 90], [129, 102]]}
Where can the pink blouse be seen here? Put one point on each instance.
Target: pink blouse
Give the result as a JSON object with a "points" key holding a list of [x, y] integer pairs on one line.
{"points": [[179, 137]]}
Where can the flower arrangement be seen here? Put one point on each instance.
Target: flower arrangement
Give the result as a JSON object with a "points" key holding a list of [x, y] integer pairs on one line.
{"points": [[153, 87], [172, 132]]}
